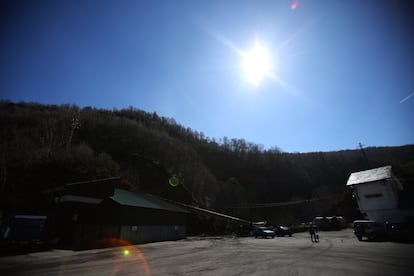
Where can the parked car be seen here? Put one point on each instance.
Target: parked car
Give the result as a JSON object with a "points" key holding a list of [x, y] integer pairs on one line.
{"points": [[22, 229], [283, 231], [370, 229], [263, 232], [330, 223]]}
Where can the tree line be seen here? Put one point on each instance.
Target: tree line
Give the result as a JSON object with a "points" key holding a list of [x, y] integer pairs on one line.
{"points": [[44, 146]]}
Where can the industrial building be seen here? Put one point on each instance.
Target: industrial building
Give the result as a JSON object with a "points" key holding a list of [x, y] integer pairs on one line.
{"points": [[87, 214], [380, 195]]}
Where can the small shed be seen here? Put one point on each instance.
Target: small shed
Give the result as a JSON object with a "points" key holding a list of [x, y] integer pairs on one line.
{"points": [[377, 192]]}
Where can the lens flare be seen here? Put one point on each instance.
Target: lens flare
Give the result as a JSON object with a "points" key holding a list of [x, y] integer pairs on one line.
{"points": [[174, 181], [294, 5], [135, 256]]}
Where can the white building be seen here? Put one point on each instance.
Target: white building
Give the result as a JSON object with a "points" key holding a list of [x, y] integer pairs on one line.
{"points": [[377, 193]]}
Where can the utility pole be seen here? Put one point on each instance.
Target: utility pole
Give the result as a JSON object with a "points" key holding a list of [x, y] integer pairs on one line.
{"points": [[75, 124], [363, 153]]}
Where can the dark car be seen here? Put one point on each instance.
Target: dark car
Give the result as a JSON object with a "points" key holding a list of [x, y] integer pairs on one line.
{"points": [[370, 229], [263, 232], [283, 231], [22, 229]]}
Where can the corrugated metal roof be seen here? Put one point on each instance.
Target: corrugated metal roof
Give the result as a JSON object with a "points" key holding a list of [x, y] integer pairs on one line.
{"points": [[127, 198], [369, 175]]}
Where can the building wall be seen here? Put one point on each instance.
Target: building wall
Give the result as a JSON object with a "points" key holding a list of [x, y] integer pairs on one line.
{"points": [[84, 234], [82, 224], [376, 195], [391, 215], [150, 233], [379, 201]]}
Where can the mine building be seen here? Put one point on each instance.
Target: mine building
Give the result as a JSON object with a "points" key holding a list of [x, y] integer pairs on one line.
{"points": [[85, 214], [380, 195]]}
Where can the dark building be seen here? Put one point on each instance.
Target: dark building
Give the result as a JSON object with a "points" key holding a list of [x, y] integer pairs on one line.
{"points": [[89, 213]]}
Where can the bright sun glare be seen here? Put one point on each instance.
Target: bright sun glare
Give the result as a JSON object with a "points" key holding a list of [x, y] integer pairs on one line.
{"points": [[256, 64]]}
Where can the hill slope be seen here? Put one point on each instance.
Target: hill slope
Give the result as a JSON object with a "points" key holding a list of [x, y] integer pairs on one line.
{"points": [[43, 146]]}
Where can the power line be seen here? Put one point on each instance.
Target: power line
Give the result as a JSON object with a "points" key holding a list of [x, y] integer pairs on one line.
{"points": [[285, 203]]}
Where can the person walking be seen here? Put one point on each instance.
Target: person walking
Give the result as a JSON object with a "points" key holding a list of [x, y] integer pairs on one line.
{"points": [[312, 232]]}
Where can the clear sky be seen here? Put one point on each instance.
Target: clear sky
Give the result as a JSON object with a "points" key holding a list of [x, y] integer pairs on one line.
{"points": [[338, 72]]}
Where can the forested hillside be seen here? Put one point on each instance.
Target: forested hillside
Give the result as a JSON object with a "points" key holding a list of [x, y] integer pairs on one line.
{"points": [[44, 146]]}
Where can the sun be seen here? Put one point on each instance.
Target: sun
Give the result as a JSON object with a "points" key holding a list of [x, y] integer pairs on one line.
{"points": [[256, 64]]}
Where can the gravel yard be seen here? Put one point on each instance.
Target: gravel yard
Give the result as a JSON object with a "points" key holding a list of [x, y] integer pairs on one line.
{"points": [[337, 253]]}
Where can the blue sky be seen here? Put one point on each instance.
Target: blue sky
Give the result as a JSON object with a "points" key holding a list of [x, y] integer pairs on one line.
{"points": [[342, 71]]}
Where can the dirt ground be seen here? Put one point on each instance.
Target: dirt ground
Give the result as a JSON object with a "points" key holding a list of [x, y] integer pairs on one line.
{"points": [[337, 253]]}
